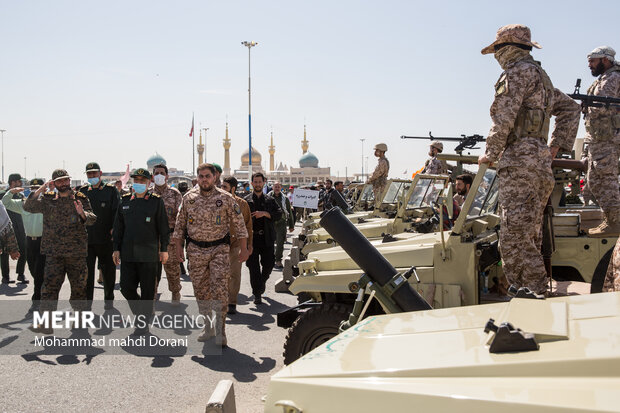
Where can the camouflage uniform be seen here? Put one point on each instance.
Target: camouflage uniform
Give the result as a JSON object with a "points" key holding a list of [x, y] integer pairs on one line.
{"points": [[172, 201], [524, 102], [207, 218], [612, 278], [603, 138], [435, 166], [8, 241], [64, 243], [378, 179], [235, 249]]}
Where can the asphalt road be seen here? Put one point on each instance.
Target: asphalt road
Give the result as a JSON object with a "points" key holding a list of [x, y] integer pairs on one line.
{"points": [[128, 383]]}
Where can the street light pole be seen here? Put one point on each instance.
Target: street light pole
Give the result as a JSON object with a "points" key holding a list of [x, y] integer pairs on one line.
{"points": [[249, 45], [362, 157], [2, 132]]}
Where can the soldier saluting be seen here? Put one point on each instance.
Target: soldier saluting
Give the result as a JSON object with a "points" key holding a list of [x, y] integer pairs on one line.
{"points": [[525, 100], [64, 242], [140, 238]]}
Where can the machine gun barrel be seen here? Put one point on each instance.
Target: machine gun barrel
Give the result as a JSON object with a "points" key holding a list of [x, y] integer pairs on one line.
{"points": [[374, 265], [570, 164], [592, 100]]}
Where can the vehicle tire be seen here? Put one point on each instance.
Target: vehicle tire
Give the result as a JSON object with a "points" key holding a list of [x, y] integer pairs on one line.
{"points": [[303, 297], [313, 328], [600, 272]]}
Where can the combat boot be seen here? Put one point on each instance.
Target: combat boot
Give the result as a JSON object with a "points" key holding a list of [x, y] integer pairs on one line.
{"points": [[207, 333], [607, 228], [176, 298]]}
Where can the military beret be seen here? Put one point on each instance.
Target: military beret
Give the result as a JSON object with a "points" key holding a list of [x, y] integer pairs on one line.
{"points": [[92, 167], [141, 172], [36, 182], [60, 174], [217, 167]]}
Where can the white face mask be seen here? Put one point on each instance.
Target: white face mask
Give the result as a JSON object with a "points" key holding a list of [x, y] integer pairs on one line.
{"points": [[159, 180]]}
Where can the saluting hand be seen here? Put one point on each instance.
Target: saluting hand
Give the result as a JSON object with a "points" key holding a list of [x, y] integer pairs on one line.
{"points": [[16, 190]]}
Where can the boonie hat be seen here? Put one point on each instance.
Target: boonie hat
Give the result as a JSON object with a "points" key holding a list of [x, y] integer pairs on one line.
{"points": [[60, 174], [92, 167], [437, 145], [141, 172], [36, 182], [512, 33], [603, 52], [381, 147]]}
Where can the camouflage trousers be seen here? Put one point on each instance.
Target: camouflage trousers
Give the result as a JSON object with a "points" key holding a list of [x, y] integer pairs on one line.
{"points": [[235, 273], [523, 194], [602, 178], [173, 271], [377, 190], [209, 270], [612, 278], [55, 270]]}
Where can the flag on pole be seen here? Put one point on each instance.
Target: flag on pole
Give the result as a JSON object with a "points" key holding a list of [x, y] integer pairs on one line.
{"points": [[191, 132]]}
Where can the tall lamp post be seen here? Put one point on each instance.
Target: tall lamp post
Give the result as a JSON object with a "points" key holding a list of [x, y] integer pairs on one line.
{"points": [[2, 132], [249, 45], [362, 140]]}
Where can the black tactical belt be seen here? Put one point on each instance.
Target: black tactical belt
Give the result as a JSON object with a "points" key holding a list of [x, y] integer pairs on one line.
{"points": [[207, 244]]}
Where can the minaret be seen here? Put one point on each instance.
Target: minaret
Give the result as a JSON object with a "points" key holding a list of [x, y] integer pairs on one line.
{"points": [[226, 170], [304, 143], [201, 149], [272, 151]]}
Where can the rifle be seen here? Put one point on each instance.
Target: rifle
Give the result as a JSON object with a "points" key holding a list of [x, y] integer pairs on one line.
{"points": [[594, 101], [466, 142]]}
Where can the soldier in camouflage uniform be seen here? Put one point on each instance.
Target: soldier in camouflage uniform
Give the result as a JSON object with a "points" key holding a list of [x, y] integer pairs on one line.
{"points": [[525, 99], [612, 278], [378, 179], [433, 165], [205, 218], [8, 241], [172, 201], [64, 243], [603, 138]]}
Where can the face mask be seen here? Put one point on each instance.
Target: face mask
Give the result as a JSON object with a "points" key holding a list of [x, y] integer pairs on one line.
{"points": [[509, 54], [139, 188], [159, 180], [55, 189], [93, 181]]}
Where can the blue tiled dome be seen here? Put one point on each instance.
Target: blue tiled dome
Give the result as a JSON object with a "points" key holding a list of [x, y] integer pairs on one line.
{"points": [[308, 161]]}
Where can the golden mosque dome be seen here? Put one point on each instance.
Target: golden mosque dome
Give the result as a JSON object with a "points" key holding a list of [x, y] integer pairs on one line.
{"points": [[257, 158]]}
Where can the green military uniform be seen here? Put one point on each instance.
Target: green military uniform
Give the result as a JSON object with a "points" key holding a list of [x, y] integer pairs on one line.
{"points": [[140, 233], [64, 241], [104, 200]]}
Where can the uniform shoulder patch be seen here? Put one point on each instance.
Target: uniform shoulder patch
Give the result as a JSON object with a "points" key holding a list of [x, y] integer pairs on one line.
{"points": [[127, 194], [501, 86], [85, 186], [236, 208], [110, 184], [50, 193], [154, 195], [80, 194]]}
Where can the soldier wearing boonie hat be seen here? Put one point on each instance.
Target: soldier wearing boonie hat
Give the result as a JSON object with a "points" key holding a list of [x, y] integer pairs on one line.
{"points": [[524, 101], [140, 243], [104, 198], [378, 179], [433, 165], [603, 137], [64, 242]]}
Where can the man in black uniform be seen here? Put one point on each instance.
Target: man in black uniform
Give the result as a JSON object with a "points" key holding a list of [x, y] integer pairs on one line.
{"points": [[15, 181], [337, 199], [104, 200], [265, 211], [140, 236]]}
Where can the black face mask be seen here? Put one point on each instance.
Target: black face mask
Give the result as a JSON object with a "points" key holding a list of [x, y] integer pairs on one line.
{"points": [[64, 188]]}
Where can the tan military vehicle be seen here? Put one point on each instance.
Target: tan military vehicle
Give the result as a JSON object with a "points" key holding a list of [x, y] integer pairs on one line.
{"points": [[454, 268], [554, 355]]}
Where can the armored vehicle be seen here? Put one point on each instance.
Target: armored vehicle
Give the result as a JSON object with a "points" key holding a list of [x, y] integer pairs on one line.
{"points": [[457, 267], [564, 358]]}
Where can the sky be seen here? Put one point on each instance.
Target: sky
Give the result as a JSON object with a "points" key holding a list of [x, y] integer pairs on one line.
{"points": [[117, 81]]}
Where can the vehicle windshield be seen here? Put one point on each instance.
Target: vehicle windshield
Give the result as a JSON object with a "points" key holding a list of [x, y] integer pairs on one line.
{"points": [[367, 195], [426, 191], [485, 199], [394, 192]]}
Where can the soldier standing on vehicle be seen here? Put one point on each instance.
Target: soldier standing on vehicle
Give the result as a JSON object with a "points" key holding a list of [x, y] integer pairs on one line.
{"points": [[265, 211], [603, 138], [205, 218], [66, 214], [434, 166], [172, 202], [230, 185], [141, 235], [525, 99], [104, 199], [378, 179]]}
